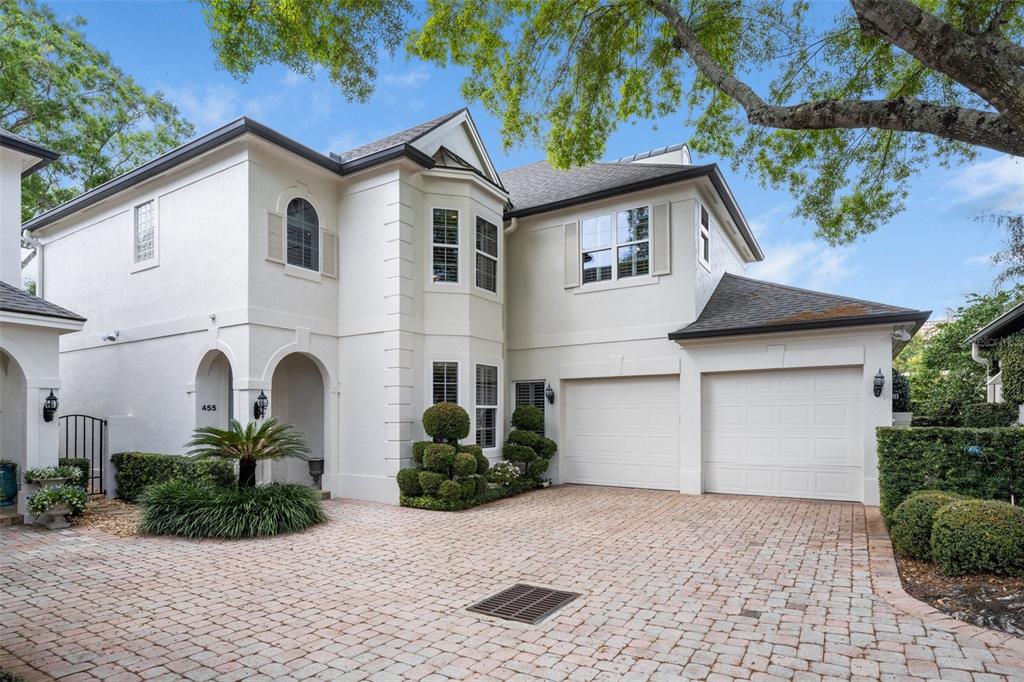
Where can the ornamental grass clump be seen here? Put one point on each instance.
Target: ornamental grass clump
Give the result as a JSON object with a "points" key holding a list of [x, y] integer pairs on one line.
{"points": [[201, 511]]}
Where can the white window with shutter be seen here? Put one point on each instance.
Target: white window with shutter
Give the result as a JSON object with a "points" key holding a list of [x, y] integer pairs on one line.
{"points": [[328, 254], [275, 237], [145, 247], [704, 236]]}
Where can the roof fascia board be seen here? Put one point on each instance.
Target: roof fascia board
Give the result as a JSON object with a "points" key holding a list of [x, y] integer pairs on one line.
{"points": [[471, 173], [917, 317], [465, 117], [65, 324], [993, 327], [44, 157]]}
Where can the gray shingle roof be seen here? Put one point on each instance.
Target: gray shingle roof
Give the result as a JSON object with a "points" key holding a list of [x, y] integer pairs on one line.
{"points": [[14, 300], [400, 138], [740, 305]]}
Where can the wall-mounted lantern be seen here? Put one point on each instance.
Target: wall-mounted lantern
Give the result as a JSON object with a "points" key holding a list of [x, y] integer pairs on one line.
{"points": [[259, 408], [549, 393], [50, 406], [879, 383]]}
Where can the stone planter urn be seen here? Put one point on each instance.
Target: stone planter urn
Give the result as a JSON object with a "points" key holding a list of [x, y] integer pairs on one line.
{"points": [[902, 418], [56, 517], [316, 470], [8, 483]]}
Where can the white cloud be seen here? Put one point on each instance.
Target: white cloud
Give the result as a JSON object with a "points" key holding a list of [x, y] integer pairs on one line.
{"points": [[212, 105], [999, 182], [980, 259], [808, 264], [292, 78], [411, 79]]}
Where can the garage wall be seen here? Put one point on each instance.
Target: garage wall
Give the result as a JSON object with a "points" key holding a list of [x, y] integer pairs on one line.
{"points": [[868, 348]]}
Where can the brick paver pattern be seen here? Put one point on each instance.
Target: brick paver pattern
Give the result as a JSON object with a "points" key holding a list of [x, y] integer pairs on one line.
{"points": [[674, 587]]}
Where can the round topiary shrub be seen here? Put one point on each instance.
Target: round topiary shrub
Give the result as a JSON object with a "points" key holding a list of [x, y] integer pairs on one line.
{"points": [[468, 487], [979, 536], [481, 484], [446, 422], [464, 464], [418, 448], [528, 438], [548, 448], [911, 522], [518, 453], [409, 482], [528, 418], [537, 467], [430, 481], [450, 490], [439, 457]]}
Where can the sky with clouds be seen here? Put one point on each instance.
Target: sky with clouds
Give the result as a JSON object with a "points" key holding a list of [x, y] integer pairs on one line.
{"points": [[928, 257]]}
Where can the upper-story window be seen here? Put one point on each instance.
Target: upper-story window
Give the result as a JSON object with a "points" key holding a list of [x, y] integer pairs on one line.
{"points": [[704, 238], [628, 245], [144, 233], [446, 245], [486, 255], [303, 240]]}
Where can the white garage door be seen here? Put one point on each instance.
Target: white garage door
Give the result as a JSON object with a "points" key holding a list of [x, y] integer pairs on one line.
{"points": [[623, 432], [793, 433]]}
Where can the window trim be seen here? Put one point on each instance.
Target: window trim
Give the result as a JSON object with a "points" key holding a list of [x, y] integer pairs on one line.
{"points": [[433, 381], [477, 405], [477, 253], [615, 245], [316, 231], [457, 246], [703, 233], [154, 260]]}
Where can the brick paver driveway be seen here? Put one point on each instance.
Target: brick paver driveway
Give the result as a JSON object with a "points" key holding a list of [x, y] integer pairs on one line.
{"points": [[674, 586]]}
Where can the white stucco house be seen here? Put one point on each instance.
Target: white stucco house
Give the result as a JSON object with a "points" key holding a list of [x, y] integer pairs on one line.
{"points": [[30, 328], [353, 290]]}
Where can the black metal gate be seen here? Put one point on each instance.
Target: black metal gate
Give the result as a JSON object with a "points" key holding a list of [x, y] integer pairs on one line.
{"points": [[84, 437]]}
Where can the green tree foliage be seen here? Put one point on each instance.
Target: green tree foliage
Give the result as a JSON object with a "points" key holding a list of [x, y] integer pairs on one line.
{"points": [[850, 100], [943, 376], [58, 90]]}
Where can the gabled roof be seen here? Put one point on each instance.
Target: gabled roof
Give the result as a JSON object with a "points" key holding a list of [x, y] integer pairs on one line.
{"points": [[740, 305], [14, 300], [1010, 322], [402, 137], [20, 144], [539, 188]]}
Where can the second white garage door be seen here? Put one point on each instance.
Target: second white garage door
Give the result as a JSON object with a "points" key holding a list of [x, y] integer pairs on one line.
{"points": [[794, 433], [623, 432]]}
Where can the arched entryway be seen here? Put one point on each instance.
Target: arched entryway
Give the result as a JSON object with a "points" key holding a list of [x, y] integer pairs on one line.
{"points": [[214, 397], [297, 398], [13, 414]]}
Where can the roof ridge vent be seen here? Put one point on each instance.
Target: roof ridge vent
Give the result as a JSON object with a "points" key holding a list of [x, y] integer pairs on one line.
{"points": [[672, 154]]}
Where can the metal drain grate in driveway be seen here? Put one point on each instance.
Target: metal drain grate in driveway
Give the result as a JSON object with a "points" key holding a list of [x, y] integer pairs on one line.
{"points": [[524, 603]]}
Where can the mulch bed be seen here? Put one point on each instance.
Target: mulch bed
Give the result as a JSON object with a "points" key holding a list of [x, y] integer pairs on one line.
{"points": [[110, 516], [990, 601]]}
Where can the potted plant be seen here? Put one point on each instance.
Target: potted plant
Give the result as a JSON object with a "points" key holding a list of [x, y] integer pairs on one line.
{"points": [[8, 482], [52, 505], [46, 477]]}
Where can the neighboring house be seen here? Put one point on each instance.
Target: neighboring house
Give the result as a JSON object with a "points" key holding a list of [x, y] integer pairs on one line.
{"points": [[354, 290], [989, 336], [29, 327]]}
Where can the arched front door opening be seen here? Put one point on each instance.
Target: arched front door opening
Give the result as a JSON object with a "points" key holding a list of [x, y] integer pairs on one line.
{"points": [[215, 404], [13, 412], [297, 398]]}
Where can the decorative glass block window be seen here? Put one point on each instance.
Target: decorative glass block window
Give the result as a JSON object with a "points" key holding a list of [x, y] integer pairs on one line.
{"points": [[628, 244], [530, 393], [446, 382], [486, 405], [144, 233], [446, 245], [704, 240], [303, 235], [486, 255]]}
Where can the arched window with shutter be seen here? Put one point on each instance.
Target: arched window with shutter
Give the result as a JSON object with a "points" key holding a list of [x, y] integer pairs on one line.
{"points": [[303, 235]]}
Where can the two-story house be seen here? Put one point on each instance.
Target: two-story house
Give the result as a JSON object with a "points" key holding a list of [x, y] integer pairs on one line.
{"points": [[348, 292]]}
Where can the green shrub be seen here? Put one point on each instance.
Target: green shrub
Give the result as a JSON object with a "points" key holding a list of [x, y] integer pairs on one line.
{"points": [[537, 467], [71, 495], [528, 438], [528, 418], [83, 465], [450, 491], [202, 511], [482, 463], [979, 536], [900, 392], [446, 422], [990, 415], [464, 464], [432, 503], [439, 457], [518, 453], [10, 677], [467, 487], [409, 482], [481, 484], [983, 463], [418, 448], [136, 470], [1011, 364], [911, 529], [548, 448], [430, 481], [503, 473]]}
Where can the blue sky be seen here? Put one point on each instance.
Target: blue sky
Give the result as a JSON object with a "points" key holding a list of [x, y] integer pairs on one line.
{"points": [[927, 257]]}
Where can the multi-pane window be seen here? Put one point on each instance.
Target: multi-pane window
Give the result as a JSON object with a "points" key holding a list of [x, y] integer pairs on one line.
{"points": [[486, 255], [530, 393], [623, 238], [144, 232], [303, 235], [704, 243], [446, 245], [486, 405], [446, 382]]}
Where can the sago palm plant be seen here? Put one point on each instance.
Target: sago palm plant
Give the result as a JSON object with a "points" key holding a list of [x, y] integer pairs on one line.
{"points": [[249, 444]]}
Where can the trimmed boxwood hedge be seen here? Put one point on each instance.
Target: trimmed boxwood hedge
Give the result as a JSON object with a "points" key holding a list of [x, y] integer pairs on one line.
{"points": [[985, 463], [979, 536], [136, 470], [911, 529], [431, 503], [990, 415], [1011, 364]]}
